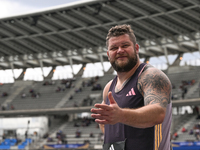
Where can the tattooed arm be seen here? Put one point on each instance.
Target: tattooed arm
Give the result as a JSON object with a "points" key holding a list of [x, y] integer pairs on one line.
{"points": [[155, 86]]}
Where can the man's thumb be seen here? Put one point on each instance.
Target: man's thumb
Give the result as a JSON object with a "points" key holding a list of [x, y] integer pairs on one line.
{"points": [[111, 99]]}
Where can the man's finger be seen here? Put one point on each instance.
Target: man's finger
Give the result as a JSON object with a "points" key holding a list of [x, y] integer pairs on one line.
{"points": [[111, 99], [101, 121], [98, 116], [99, 111], [103, 106]]}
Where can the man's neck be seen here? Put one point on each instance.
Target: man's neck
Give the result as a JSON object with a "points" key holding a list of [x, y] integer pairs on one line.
{"points": [[123, 76]]}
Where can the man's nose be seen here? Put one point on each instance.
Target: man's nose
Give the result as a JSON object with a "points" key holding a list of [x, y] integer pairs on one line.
{"points": [[120, 50]]}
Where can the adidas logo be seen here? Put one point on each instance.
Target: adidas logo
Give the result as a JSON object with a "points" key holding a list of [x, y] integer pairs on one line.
{"points": [[131, 92]]}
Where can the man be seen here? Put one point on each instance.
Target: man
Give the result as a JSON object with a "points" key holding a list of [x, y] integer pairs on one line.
{"points": [[136, 110]]}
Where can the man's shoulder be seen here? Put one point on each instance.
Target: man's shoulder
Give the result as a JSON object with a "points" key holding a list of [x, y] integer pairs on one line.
{"points": [[149, 69], [106, 89], [154, 77], [109, 83]]}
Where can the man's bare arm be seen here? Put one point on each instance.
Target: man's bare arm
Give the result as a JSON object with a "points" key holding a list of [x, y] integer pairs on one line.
{"points": [[155, 87]]}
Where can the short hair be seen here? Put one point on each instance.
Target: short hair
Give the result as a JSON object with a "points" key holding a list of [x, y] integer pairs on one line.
{"points": [[121, 30]]}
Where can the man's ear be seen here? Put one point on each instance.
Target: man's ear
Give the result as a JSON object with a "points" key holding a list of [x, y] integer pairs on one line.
{"points": [[137, 47]]}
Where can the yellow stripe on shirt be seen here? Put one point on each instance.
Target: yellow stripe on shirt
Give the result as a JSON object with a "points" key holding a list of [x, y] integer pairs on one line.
{"points": [[156, 146], [158, 135]]}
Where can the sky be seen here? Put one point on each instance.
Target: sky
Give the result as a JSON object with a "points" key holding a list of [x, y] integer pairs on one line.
{"points": [[18, 7]]}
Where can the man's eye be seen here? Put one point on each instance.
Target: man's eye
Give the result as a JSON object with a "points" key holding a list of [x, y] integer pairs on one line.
{"points": [[113, 48], [125, 46]]}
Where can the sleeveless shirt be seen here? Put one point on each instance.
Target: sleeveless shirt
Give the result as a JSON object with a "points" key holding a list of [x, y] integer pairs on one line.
{"points": [[152, 138]]}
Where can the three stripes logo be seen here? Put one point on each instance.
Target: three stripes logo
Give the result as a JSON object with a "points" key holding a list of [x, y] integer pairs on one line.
{"points": [[131, 92]]}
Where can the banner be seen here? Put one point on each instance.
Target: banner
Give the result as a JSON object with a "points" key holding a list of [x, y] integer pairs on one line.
{"points": [[186, 145], [60, 146]]}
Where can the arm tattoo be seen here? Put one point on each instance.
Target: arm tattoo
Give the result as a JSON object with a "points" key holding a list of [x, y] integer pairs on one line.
{"points": [[155, 87], [153, 99], [155, 82]]}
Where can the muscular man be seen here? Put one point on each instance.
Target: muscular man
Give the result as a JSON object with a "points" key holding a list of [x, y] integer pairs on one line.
{"points": [[136, 110]]}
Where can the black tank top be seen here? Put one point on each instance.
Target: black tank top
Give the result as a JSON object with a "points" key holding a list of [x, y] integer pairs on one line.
{"points": [[129, 97]]}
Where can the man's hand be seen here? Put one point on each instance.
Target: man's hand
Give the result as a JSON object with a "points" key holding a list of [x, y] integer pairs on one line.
{"points": [[107, 114]]}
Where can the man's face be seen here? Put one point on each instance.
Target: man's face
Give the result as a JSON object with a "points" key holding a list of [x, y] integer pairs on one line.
{"points": [[122, 53]]}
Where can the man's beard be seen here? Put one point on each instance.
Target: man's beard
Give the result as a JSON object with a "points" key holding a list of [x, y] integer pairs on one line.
{"points": [[132, 61]]}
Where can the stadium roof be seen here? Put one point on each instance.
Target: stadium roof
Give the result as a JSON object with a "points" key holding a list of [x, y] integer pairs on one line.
{"points": [[74, 34]]}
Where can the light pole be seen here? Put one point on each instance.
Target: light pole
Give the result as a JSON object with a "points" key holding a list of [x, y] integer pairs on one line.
{"points": [[27, 135]]}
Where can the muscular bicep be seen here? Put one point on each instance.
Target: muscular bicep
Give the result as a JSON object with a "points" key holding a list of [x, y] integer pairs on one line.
{"points": [[155, 86]]}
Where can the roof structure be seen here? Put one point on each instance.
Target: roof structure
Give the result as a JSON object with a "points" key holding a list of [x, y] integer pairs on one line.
{"points": [[74, 34]]}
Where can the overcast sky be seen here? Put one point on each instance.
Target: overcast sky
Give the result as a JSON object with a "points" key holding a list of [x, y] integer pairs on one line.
{"points": [[17, 7]]}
